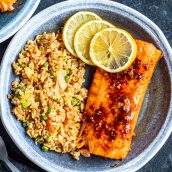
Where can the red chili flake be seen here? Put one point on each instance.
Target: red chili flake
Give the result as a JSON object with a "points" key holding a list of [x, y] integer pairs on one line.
{"points": [[146, 66], [112, 135]]}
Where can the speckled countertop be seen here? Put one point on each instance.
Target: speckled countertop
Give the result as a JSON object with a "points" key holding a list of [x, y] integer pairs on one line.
{"points": [[160, 11]]}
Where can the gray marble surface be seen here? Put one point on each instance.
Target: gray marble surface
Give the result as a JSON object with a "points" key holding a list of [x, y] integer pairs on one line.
{"points": [[160, 11]]}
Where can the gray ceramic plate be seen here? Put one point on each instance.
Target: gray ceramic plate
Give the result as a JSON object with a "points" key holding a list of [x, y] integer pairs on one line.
{"points": [[155, 121], [11, 22]]}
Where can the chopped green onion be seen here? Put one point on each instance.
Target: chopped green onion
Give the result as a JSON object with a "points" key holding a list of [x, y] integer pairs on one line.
{"points": [[19, 92], [66, 78], [38, 139], [74, 102], [23, 89], [46, 64], [44, 117], [44, 148], [50, 110], [47, 135], [54, 74], [25, 104], [58, 100], [21, 65], [24, 124], [67, 71], [64, 58]]}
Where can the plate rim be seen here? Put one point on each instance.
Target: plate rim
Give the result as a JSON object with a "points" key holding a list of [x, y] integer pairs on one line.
{"points": [[167, 126], [22, 17]]}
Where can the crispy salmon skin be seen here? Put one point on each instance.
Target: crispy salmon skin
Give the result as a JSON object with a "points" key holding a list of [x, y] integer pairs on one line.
{"points": [[114, 103]]}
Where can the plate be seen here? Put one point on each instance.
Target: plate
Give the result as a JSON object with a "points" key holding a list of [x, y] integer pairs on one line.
{"points": [[11, 22], [155, 121]]}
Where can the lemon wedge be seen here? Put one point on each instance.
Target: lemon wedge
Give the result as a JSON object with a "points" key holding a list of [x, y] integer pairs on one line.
{"points": [[71, 26], [84, 36], [113, 50]]}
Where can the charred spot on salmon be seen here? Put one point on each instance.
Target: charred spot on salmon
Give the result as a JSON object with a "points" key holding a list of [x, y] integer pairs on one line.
{"points": [[112, 135], [138, 76], [146, 67], [137, 64]]}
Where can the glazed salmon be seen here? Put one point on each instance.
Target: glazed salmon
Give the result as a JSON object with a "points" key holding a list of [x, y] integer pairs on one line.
{"points": [[114, 103]]}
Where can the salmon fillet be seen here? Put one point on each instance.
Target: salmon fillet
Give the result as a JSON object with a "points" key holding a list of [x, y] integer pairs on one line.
{"points": [[114, 103]]}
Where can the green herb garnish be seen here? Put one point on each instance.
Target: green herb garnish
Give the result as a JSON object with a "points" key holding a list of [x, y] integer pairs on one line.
{"points": [[52, 73], [67, 71], [74, 102], [46, 64], [66, 78], [21, 65], [50, 110], [58, 100]]}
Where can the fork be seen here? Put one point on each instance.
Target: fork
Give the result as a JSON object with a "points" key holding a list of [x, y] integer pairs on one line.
{"points": [[4, 156]]}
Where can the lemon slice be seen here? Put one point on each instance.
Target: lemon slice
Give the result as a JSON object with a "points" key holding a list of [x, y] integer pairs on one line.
{"points": [[71, 26], [84, 36], [113, 50]]}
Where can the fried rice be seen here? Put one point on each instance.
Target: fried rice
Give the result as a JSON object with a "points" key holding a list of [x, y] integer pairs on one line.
{"points": [[49, 98]]}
